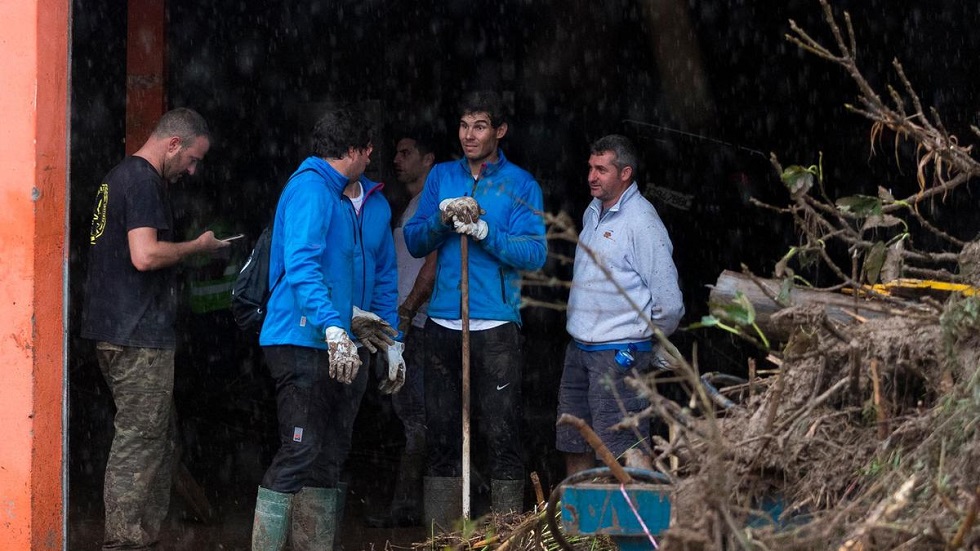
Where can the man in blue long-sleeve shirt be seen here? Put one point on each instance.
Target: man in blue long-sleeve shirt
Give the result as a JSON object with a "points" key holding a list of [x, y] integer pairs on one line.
{"points": [[306, 334], [497, 206]]}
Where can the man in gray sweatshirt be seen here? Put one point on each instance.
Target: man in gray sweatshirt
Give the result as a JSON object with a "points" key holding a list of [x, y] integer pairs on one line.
{"points": [[624, 278]]}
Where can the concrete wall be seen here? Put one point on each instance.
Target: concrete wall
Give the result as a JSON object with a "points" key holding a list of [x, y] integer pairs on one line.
{"points": [[34, 52]]}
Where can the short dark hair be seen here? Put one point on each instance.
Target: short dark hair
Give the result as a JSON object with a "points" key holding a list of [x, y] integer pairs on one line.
{"points": [[484, 101], [182, 122], [340, 129], [425, 142], [621, 146]]}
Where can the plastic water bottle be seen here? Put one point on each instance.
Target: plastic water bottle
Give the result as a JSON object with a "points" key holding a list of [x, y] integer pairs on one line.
{"points": [[626, 357]]}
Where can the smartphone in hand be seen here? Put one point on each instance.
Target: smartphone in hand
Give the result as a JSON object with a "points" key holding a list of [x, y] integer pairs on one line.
{"points": [[232, 238]]}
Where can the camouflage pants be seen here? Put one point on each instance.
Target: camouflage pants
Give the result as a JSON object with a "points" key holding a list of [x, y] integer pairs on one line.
{"points": [[139, 472]]}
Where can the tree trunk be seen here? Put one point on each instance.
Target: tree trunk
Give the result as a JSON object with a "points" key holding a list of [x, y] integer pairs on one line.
{"points": [[838, 307]]}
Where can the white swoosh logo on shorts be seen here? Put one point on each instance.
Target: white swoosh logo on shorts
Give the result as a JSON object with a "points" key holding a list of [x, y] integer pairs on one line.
{"points": [[501, 387]]}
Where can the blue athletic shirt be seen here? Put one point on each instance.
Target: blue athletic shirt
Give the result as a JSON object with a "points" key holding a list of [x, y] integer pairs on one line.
{"points": [[515, 241]]}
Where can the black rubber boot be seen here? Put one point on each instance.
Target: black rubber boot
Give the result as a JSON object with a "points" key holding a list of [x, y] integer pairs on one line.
{"points": [[507, 496], [406, 507], [442, 502]]}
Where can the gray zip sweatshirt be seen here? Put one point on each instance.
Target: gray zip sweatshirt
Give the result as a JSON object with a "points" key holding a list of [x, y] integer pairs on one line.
{"points": [[630, 241]]}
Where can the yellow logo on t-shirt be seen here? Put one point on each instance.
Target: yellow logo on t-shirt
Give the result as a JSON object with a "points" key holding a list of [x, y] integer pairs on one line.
{"points": [[99, 216]]}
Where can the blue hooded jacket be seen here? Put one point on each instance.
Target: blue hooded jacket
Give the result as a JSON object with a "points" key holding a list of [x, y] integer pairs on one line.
{"points": [[314, 236], [375, 264], [515, 240]]}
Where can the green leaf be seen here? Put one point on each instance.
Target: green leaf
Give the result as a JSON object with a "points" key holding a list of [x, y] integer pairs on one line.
{"points": [[881, 221], [706, 321], [873, 262], [785, 290], [739, 311], [860, 205], [797, 179]]}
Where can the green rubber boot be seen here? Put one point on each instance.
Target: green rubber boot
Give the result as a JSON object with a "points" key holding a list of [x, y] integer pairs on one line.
{"points": [[314, 519], [271, 524], [442, 502]]}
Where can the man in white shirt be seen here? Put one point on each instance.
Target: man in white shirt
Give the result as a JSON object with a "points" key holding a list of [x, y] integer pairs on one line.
{"points": [[414, 157]]}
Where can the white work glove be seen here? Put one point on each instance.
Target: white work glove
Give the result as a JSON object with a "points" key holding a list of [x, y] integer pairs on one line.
{"points": [[477, 230], [373, 332], [344, 361], [396, 370], [462, 209]]}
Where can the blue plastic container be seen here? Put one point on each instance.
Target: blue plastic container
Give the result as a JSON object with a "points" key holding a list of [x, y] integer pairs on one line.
{"points": [[596, 508]]}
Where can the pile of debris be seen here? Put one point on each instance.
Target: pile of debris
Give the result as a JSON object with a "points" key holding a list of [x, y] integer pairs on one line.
{"points": [[867, 436]]}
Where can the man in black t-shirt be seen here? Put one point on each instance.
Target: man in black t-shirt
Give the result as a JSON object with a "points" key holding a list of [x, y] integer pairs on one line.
{"points": [[129, 310]]}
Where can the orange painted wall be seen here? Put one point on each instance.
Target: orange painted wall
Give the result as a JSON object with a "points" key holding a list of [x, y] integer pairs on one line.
{"points": [[34, 54]]}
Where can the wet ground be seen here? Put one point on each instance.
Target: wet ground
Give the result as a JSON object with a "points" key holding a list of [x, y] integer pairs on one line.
{"points": [[229, 490], [231, 528], [227, 435], [226, 415]]}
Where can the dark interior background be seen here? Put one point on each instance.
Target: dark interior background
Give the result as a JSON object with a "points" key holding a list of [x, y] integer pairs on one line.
{"points": [[571, 71]]}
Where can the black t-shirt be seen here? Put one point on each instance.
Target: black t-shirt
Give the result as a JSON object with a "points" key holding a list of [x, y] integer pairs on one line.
{"points": [[123, 305]]}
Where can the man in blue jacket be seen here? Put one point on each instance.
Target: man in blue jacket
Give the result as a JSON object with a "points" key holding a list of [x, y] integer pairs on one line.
{"points": [[375, 316], [497, 206], [305, 334]]}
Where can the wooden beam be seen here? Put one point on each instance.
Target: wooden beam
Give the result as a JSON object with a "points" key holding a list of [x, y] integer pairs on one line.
{"points": [[146, 50]]}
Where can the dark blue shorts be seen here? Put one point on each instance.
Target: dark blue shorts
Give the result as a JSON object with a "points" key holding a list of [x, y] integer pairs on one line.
{"points": [[593, 388]]}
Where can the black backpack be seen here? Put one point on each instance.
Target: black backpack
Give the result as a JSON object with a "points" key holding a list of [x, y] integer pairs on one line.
{"points": [[251, 291]]}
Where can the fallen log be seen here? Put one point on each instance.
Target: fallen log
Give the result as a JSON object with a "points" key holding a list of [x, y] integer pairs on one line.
{"points": [[840, 309]]}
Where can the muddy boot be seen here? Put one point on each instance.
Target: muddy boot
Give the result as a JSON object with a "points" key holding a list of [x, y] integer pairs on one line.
{"points": [[271, 525], [507, 496], [442, 502], [314, 519]]}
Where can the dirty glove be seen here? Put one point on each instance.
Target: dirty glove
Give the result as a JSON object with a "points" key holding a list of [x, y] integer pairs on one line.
{"points": [[344, 362], [373, 332], [396, 370], [405, 317], [477, 230], [461, 209]]}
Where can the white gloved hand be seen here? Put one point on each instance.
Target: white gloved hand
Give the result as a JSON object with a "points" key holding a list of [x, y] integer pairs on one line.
{"points": [[344, 361], [396, 370], [372, 331], [464, 209], [444, 215], [477, 230]]}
